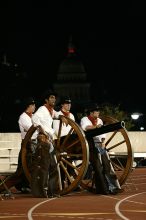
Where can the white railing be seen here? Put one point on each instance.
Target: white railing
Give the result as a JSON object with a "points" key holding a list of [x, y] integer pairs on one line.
{"points": [[10, 144]]}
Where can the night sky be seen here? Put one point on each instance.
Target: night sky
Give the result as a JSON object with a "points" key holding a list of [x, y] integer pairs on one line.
{"points": [[110, 40]]}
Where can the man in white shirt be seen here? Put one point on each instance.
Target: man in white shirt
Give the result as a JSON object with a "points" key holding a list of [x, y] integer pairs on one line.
{"points": [[43, 118], [45, 114], [65, 107], [18, 179], [25, 119], [105, 178], [64, 110]]}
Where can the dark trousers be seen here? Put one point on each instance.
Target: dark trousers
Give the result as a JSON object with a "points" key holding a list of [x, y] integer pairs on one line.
{"points": [[105, 178], [44, 173]]}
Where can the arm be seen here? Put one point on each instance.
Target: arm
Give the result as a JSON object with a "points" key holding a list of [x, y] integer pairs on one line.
{"points": [[25, 122]]}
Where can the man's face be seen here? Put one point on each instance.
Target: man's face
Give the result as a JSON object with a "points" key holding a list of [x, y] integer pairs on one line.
{"points": [[51, 100], [32, 108], [66, 107], [95, 114]]}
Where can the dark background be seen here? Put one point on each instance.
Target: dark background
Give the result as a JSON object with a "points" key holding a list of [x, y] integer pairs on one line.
{"points": [[110, 40]]}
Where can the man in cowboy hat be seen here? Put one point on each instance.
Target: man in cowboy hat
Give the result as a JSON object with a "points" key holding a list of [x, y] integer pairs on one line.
{"points": [[105, 178], [65, 106], [18, 179], [45, 158]]}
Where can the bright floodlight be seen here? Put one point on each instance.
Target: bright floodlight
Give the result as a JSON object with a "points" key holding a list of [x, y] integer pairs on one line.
{"points": [[135, 116]]}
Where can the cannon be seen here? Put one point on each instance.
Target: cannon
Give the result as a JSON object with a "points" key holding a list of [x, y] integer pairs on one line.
{"points": [[72, 153]]}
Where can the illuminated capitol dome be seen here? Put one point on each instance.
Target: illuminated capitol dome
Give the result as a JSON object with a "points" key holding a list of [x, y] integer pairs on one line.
{"points": [[72, 78]]}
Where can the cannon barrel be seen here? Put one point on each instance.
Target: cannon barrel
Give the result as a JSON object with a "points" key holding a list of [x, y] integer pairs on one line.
{"points": [[104, 129]]}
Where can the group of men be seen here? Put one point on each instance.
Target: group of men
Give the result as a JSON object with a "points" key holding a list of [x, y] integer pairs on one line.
{"points": [[45, 119]]}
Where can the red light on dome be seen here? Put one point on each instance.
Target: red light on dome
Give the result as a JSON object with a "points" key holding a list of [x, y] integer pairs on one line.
{"points": [[71, 50]]}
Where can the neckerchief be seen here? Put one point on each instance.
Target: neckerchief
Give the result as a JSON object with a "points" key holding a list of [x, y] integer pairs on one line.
{"points": [[93, 120], [50, 109], [65, 113], [29, 114]]}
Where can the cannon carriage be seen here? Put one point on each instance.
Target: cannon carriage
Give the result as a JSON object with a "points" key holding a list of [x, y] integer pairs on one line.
{"points": [[73, 153]]}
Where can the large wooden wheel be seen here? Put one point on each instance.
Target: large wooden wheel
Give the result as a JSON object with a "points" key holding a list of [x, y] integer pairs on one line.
{"points": [[72, 155], [120, 152]]}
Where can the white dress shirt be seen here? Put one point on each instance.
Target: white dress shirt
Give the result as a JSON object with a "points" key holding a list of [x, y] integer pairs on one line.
{"points": [[25, 123], [43, 118], [64, 129], [86, 122]]}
